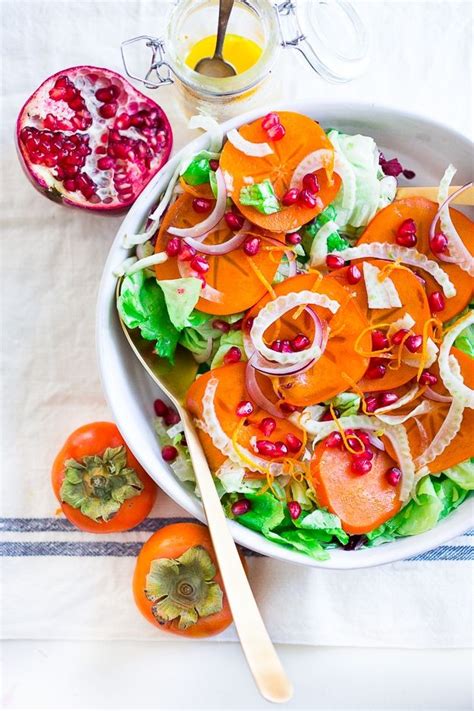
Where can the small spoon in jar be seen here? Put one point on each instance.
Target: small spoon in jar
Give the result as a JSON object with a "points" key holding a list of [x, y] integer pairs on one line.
{"points": [[216, 66]]}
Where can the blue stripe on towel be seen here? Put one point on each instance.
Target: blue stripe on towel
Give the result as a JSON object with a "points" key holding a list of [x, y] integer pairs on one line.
{"points": [[41, 525]]}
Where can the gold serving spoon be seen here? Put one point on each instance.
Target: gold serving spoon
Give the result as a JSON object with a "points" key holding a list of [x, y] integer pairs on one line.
{"points": [[431, 193], [216, 66], [269, 675]]}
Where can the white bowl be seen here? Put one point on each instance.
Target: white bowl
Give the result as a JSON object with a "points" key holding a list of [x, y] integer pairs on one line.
{"points": [[422, 145]]}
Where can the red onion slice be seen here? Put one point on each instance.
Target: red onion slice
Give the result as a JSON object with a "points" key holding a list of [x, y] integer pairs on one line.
{"points": [[437, 397], [256, 394], [213, 219], [459, 253], [219, 249], [276, 369]]}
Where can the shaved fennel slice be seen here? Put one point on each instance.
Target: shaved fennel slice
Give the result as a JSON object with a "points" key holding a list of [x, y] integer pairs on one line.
{"points": [[401, 402], [381, 294], [395, 433], [212, 128], [122, 269], [445, 435], [406, 322], [452, 378], [322, 158], [457, 249], [319, 245], [348, 193], [277, 308], [239, 455], [212, 219], [407, 255], [421, 409], [257, 150], [413, 359], [146, 262]]}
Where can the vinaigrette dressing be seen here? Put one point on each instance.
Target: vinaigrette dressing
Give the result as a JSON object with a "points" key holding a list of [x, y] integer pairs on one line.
{"points": [[242, 53]]}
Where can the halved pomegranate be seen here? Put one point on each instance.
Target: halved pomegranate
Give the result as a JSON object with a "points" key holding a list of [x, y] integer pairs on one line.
{"points": [[88, 138]]}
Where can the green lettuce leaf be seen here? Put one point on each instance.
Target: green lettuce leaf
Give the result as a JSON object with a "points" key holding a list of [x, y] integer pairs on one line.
{"points": [[462, 474], [142, 305], [181, 296], [198, 169], [324, 525], [227, 340], [465, 341], [261, 196], [346, 403]]}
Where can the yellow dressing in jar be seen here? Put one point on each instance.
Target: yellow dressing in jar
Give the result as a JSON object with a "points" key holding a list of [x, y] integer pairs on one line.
{"points": [[240, 52]]}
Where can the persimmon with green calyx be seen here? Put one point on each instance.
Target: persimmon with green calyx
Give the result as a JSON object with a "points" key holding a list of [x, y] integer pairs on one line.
{"points": [[177, 585], [100, 485], [362, 502]]}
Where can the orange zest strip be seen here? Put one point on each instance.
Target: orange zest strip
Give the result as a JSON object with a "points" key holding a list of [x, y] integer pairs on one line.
{"points": [[261, 278], [431, 322], [353, 386], [398, 364], [343, 434], [389, 268], [371, 354]]}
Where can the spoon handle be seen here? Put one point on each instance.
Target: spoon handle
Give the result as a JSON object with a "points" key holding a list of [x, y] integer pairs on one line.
{"points": [[225, 8], [258, 648]]}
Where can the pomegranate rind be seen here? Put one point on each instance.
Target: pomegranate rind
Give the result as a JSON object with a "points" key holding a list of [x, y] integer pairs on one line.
{"points": [[41, 176]]}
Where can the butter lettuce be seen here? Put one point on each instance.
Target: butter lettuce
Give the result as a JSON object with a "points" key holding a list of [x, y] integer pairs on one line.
{"points": [[465, 341], [261, 196], [462, 474], [181, 296]]}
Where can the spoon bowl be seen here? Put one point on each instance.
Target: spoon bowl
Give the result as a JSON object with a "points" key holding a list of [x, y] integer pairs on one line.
{"points": [[216, 66]]}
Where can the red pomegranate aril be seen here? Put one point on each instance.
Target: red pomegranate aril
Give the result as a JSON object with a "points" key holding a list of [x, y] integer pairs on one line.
{"points": [[169, 453], [281, 450], [70, 185], [379, 340], [271, 119], [200, 264], [364, 437], [287, 408], [375, 371], [293, 442], [293, 238], [438, 243], [108, 110], [406, 233], [160, 407], [360, 466], [202, 205], [414, 343], [290, 197], [371, 403], [387, 398], [265, 447], [398, 337], [241, 507], [300, 342], [173, 247], [237, 325], [327, 417], [105, 163], [427, 378], [311, 183], [436, 301], [334, 262], [213, 164], [307, 199], [334, 440], [294, 509], [107, 94], [367, 454], [233, 355], [171, 418], [244, 408], [276, 133], [220, 325], [186, 253], [267, 426], [251, 246], [248, 323], [354, 274], [233, 221], [286, 346], [276, 346], [393, 476]]}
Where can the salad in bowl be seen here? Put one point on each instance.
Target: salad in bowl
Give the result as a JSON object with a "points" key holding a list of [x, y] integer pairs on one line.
{"points": [[329, 327]]}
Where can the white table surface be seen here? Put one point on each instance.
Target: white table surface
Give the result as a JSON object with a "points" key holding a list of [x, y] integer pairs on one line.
{"points": [[420, 59]]}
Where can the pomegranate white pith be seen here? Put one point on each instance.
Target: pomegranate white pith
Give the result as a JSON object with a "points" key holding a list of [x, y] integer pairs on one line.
{"points": [[88, 138]]}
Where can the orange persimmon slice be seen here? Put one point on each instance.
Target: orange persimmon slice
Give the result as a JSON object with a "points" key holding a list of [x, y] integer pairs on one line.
{"points": [[232, 274], [302, 137]]}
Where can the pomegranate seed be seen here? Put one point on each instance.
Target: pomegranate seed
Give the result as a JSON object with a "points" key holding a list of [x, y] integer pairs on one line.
{"points": [[300, 342], [436, 301], [290, 197], [220, 325], [438, 243], [270, 120], [171, 418], [293, 238], [199, 264], [406, 233], [169, 453], [70, 185], [248, 323], [354, 274], [307, 199], [265, 447], [108, 110], [371, 403], [310, 182], [160, 407], [281, 449], [353, 442], [427, 378], [364, 436], [202, 205], [214, 164], [186, 253], [233, 355], [398, 337], [107, 94], [237, 325], [267, 426], [276, 346], [386, 399], [286, 346], [334, 440], [393, 476], [251, 246], [241, 507], [105, 163], [379, 340], [294, 509], [327, 417], [414, 343], [365, 453], [361, 465], [334, 262], [173, 247], [233, 221], [287, 408], [244, 408], [276, 133], [293, 443], [375, 371]]}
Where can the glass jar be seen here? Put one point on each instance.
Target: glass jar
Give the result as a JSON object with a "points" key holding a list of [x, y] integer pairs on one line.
{"points": [[328, 33]]}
